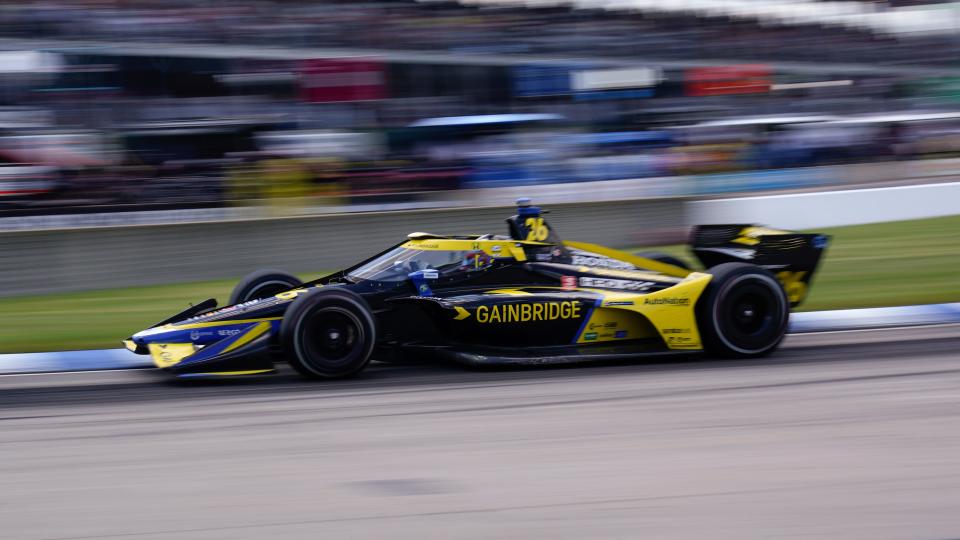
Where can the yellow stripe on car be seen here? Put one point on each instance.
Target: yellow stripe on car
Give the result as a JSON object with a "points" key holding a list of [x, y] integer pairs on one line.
{"points": [[194, 326], [642, 262], [249, 336], [223, 322], [494, 248], [247, 372], [748, 235], [510, 292]]}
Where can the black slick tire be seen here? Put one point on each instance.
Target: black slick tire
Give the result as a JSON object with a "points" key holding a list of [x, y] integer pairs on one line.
{"points": [[743, 313], [329, 333], [263, 284]]}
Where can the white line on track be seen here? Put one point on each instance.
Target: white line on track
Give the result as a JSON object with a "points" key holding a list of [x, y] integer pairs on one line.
{"points": [[882, 329]]}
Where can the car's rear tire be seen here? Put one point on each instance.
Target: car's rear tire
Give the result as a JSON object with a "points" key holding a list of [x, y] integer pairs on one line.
{"points": [[743, 313], [659, 256], [263, 284], [328, 334]]}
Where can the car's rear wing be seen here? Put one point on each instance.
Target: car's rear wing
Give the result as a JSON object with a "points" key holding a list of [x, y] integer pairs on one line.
{"points": [[793, 257]]}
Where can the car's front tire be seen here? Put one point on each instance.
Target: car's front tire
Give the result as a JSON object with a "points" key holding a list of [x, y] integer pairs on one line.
{"points": [[263, 284], [743, 313], [328, 334]]}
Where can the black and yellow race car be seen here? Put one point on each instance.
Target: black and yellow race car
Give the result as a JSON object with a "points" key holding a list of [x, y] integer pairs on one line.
{"points": [[523, 298]]}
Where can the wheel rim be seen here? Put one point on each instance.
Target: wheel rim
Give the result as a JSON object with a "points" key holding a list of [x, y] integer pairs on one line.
{"points": [[333, 336], [751, 316]]}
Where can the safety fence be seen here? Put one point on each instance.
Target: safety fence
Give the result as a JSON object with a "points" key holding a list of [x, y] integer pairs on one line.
{"points": [[37, 262], [107, 254]]}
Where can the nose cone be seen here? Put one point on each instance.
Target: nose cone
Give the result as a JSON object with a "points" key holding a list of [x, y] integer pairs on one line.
{"points": [[157, 333], [195, 333], [169, 333], [140, 342]]}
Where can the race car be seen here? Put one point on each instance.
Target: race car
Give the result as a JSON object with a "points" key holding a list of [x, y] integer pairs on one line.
{"points": [[526, 298]]}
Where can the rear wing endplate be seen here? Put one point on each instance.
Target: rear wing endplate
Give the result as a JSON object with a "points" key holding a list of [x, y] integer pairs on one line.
{"points": [[791, 256]]}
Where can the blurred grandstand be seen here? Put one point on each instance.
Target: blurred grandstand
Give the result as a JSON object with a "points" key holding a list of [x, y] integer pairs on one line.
{"points": [[883, 33], [148, 105]]}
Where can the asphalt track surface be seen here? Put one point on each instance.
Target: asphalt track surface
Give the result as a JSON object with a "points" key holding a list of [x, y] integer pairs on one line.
{"points": [[846, 435]]}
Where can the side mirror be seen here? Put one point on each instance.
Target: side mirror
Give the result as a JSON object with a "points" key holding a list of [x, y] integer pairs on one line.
{"points": [[421, 280]]}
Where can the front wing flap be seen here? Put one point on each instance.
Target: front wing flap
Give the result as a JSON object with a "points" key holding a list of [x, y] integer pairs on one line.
{"points": [[229, 347]]}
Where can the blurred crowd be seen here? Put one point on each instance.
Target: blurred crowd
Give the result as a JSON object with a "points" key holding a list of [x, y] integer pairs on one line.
{"points": [[647, 30], [246, 101]]}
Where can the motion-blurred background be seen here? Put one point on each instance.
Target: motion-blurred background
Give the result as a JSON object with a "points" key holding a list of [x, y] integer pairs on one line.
{"points": [[350, 120], [127, 104]]}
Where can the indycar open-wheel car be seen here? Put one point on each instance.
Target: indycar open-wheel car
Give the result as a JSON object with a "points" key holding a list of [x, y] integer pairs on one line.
{"points": [[527, 297]]}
